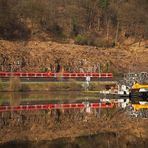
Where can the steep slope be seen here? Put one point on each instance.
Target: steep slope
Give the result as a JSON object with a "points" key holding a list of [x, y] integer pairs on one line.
{"points": [[40, 56]]}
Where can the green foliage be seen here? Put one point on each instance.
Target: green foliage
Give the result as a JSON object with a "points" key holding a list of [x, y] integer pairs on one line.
{"points": [[86, 40], [56, 31], [107, 67], [44, 69], [104, 4], [89, 39], [93, 40], [81, 40], [75, 29]]}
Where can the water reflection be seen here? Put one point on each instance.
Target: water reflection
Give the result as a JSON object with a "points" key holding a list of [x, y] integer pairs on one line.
{"points": [[16, 98], [104, 140]]}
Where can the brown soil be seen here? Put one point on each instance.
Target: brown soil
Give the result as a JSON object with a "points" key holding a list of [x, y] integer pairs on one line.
{"points": [[46, 125], [37, 55]]}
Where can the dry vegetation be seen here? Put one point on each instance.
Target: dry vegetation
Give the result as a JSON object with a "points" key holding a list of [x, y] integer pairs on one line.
{"points": [[97, 22], [49, 125], [45, 56], [117, 29]]}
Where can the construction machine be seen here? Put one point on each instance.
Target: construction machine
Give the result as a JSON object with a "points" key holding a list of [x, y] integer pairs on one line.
{"points": [[139, 99]]}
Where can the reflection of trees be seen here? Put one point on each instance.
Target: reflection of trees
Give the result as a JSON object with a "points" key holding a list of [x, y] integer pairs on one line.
{"points": [[15, 98]]}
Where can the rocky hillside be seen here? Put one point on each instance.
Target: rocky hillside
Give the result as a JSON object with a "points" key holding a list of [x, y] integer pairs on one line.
{"points": [[48, 56], [47, 35]]}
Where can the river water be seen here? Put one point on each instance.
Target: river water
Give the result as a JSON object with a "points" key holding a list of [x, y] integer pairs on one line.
{"points": [[17, 98], [101, 140], [104, 140]]}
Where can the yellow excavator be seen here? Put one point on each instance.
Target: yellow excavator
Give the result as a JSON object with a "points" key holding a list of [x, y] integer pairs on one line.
{"points": [[139, 96]]}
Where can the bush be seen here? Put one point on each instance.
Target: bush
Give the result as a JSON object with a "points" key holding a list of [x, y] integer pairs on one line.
{"points": [[55, 29], [104, 43], [14, 31], [93, 40], [90, 39], [44, 69], [76, 29], [81, 40]]}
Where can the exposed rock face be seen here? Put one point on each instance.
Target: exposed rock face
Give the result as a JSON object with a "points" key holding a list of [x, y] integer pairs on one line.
{"points": [[42, 56]]}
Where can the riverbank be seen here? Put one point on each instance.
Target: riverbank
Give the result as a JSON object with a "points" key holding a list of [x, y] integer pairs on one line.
{"points": [[43, 128]]}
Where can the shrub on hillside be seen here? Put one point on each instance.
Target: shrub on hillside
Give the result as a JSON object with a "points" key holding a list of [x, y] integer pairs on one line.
{"points": [[81, 40], [55, 29], [14, 31], [93, 40]]}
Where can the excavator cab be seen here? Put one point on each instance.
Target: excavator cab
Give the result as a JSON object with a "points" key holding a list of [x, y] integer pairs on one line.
{"points": [[139, 96]]}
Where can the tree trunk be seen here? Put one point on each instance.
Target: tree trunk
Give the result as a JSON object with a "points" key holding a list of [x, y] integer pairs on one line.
{"points": [[117, 33], [107, 31], [99, 24]]}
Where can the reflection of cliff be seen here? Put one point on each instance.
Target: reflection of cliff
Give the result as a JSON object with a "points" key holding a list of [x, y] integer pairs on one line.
{"points": [[55, 124], [51, 56], [105, 139]]}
